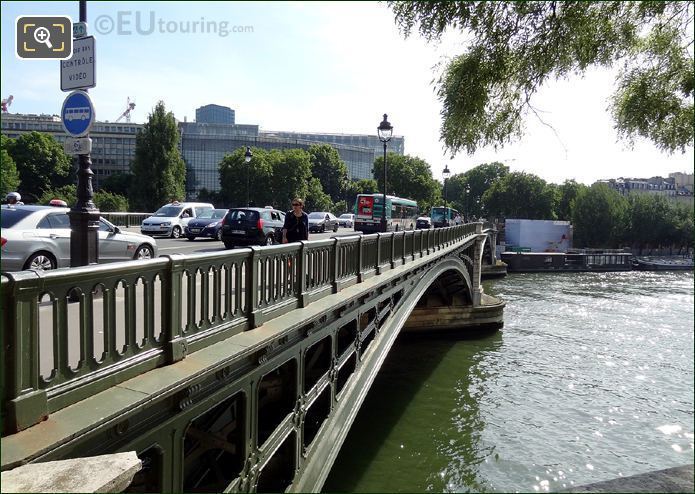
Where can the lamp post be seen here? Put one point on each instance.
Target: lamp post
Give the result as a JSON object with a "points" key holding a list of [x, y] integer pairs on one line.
{"points": [[247, 158], [446, 174], [84, 215], [385, 132]]}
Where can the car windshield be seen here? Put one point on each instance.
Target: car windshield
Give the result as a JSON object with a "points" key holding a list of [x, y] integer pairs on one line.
{"points": [[346, 216], [212, 214], [438, 214], [168, 211], [10, 217], [317, 216]]}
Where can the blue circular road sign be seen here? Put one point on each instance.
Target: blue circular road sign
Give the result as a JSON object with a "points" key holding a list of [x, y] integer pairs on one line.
{"points": [[77, 114]]}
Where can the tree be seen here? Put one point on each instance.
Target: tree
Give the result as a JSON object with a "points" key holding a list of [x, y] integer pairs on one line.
{"points": [[107, 202], [117, 183], [566, 194], [409, 177], [291, 175], [516, 47], [9, 176], [316, 198], [466, 191], [41, 162], [239, 179], [329, 169], [67, 193], [600, 217], [159, 172], [522, 196]]}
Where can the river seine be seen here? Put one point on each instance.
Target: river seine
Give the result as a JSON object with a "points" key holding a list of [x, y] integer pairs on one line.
{"points": [[590, 379]]}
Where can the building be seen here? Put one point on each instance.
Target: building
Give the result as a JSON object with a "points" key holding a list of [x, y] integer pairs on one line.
{"points": [[113, 144], [678, 187], [214, 114], [395, 145], [203, 144]]}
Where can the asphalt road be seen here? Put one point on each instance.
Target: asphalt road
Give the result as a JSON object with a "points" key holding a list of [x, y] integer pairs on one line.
{"points": [[184, 246]]}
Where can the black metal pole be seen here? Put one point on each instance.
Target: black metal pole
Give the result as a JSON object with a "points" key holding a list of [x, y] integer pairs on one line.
{"points": [[445, 192], [248, 165], [84, 215], [383, 216]]}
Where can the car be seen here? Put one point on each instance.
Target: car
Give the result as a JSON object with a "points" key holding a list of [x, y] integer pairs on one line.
{"points": [[321, 221], [207, 224], [170, 219], [347, 220], [252, 226], [423, 223], [38, 238]]}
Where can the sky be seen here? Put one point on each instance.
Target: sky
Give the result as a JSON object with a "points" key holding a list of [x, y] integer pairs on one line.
{"points": [[317, 67]]}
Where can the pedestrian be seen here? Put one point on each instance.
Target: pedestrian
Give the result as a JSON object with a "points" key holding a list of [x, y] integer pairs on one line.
{"points": [[14, 198], [296, 227]]}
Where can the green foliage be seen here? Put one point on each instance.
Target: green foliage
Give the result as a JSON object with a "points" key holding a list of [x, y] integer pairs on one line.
{"points": [[409, 177], [67, 193], [566, 194], [329, 169], [339, 208], [600, 217], [274, 178], [316, 198], [516, 47], [465, 191], [216, 198], [9, 176], [159, 172], [41, 162], [654, 222], [291, 176], [117, 183], [522, 196], [108, 202]]}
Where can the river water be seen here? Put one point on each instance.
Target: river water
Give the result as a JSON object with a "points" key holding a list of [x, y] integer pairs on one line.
{"points": [[590, 379]]}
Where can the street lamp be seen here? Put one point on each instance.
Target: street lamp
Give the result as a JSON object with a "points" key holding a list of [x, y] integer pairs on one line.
{"points": [[385, 132], [247, 158], [446, 174]]}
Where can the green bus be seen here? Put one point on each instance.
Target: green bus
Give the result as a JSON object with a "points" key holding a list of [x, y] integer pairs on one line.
{"points": [[443, 216], [400, 213]]}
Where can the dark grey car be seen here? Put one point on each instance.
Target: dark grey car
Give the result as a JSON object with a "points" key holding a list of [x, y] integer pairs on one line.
{"points": [[252, 226]]}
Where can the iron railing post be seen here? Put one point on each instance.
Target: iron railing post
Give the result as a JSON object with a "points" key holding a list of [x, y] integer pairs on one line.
{"points": [[174, 341]]}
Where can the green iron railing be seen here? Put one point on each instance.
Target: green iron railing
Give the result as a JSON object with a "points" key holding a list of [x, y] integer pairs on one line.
{"points": [[69, 334]]}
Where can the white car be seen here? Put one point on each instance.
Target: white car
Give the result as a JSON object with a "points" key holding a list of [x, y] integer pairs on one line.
{"points": [[347, 220], [38, 238]]}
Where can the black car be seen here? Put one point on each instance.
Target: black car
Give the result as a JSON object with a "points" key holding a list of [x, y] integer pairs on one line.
{"points": [[206, 224], [423, 223], [252, 226]]}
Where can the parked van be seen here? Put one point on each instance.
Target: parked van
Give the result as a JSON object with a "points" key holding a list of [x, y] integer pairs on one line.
{"points": [[170, 219]]}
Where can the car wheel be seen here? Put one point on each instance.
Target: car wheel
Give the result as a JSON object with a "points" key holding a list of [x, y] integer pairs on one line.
{"points": [[176, 232], [335, 228], [270, 239], [144, 252], [218, 235], [40, 261], [190, 237], [323, 228], [228, 245]]}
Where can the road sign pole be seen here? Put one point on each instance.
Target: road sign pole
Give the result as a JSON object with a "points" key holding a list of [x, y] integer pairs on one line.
{"points": [[84, 215]]}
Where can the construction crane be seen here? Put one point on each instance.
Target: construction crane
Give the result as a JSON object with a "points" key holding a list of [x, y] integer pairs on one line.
{"points": [[130, 105], [6, 102]]}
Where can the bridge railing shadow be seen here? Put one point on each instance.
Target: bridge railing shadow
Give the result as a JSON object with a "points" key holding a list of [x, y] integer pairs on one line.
{"points": [[69, 334]]}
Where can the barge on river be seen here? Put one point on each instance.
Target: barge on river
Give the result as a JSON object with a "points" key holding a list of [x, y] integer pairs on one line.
{"points": [[537, 262]]}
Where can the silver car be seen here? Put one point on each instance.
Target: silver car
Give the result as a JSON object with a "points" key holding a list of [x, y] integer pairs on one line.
{"points": [[38, 237]]}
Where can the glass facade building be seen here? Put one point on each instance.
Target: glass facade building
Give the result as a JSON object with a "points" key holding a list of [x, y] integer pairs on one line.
{"points": [[395, 145], [202, 146], [214, 114]]}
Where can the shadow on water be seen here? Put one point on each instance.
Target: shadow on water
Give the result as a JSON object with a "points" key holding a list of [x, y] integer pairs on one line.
{"points": [[407, 369]]}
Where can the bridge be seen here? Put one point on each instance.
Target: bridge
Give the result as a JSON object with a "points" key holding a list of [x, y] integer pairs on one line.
{"points": [[238, 370]]}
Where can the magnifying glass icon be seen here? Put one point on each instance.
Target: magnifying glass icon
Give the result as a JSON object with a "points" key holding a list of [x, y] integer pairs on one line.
{"points": [[43, 35]]}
